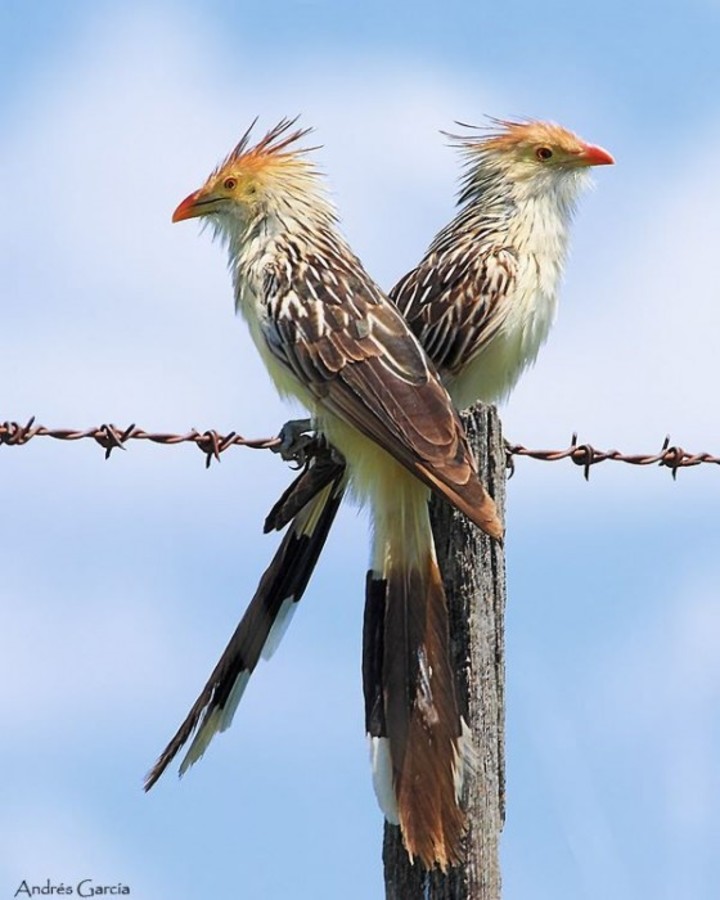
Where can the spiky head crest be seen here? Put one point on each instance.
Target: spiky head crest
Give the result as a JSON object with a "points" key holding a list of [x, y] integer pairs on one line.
{"points": [[545, 143], [257, 179], [528, 155], [270, 152], [507, 135]]}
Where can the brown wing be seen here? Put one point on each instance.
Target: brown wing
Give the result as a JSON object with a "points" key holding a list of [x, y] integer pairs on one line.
{"points": [[350, 347], [457, 299]]}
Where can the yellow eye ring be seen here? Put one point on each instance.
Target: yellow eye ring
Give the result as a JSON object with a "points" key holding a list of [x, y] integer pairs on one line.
{"points": [[230, 184]]}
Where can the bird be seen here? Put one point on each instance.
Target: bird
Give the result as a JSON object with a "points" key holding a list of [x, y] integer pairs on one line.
{"points": [[484, 296], [331, 339]]}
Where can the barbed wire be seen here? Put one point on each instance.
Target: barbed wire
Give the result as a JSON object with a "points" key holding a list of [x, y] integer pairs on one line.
{"points": [[212, 444], [586, 456], [110, 437]]}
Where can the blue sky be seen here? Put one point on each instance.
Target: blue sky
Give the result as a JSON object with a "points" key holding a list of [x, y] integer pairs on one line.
{"points": [[122, 580]]}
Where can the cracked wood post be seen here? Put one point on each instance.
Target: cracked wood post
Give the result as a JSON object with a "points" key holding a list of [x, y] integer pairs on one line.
{"points": [[473, 570]]}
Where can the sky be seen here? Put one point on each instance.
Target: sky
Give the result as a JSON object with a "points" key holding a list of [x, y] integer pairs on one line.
{"points": [[122, 580]]}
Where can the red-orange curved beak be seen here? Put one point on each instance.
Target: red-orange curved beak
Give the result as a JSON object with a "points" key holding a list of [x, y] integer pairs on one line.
{"points": [[189, 208], [596, 156]]}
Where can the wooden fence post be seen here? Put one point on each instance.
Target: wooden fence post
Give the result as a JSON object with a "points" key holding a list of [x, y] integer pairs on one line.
{"points": [[473, 568]]}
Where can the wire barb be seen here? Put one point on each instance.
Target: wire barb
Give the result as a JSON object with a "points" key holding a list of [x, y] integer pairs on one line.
{"points": [[212, 445], [585, 456]]}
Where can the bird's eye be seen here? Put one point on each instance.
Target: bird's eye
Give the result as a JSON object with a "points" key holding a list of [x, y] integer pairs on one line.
{"points": [[543, 153], [230, 184]]}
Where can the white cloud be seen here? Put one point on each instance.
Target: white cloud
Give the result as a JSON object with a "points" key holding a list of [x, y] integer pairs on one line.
{"points": [[49, 838], [654, 694], [618, 732], [112, 313], [632, 356], [667, 669], [81, 657], [116, 314], [560, 760]]}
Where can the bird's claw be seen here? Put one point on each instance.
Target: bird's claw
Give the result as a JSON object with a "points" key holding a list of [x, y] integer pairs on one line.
{"points": [[297, 441], [509, 458]]}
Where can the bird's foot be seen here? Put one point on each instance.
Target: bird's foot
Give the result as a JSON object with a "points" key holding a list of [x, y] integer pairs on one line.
{"points": [[509, 457], [298, 441]]}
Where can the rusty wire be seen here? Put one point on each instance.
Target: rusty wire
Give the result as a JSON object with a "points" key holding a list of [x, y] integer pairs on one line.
{"points": [[211, 443], [585, 456]]}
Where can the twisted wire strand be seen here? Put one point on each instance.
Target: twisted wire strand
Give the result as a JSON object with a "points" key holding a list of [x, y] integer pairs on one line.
{"points": [[212, 444], [110, 437], [672, 457]]}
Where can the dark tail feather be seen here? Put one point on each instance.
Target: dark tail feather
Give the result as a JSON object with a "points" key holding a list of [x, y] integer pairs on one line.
{"points": [[411, 711], [372, 662], [280, 589], [373, 690], [325, 467]]}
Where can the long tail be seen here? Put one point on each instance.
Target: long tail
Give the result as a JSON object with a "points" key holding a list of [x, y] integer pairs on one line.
{"points": [[412, 717], [267, 616]]}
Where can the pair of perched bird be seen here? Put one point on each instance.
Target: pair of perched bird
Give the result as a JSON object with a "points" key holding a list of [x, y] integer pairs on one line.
{"points": [[382, 377]]}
